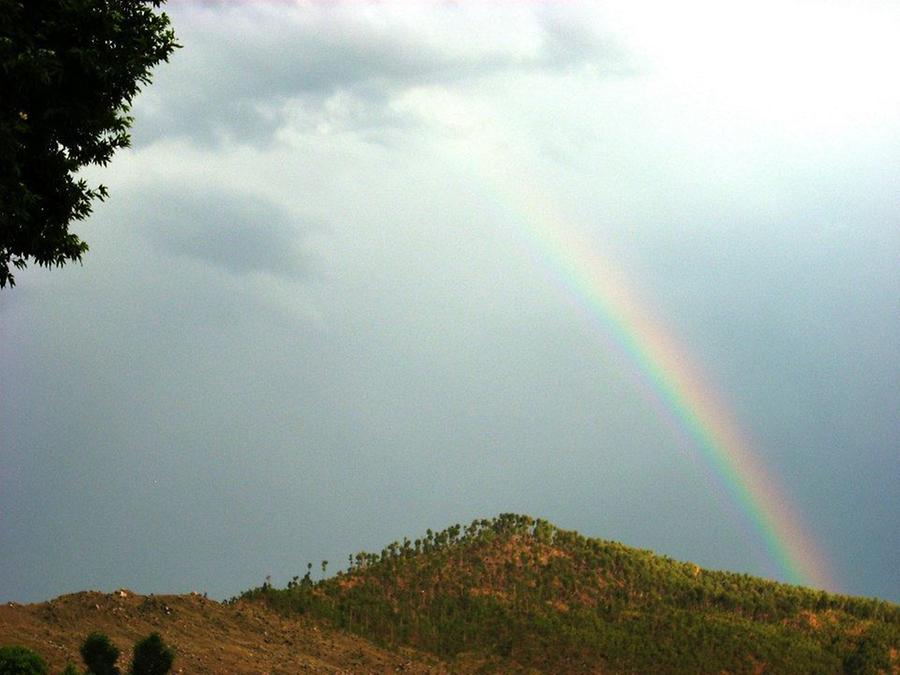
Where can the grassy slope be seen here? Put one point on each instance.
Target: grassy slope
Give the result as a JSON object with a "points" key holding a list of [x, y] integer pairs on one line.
{"points": [[521, 594]]}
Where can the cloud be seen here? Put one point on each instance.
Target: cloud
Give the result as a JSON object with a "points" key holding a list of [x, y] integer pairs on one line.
{"points": [[242, 234], [243, 68]]}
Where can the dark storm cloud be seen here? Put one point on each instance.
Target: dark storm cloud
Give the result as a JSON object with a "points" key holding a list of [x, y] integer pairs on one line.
{"points": [[240, 65], [242, 234]]}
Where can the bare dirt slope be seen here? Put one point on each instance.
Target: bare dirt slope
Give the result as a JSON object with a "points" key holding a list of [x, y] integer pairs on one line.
{"points": [[208, 636]]}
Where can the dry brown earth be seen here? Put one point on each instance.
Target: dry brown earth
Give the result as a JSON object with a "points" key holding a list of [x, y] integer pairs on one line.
{"points": [[208, 636]]}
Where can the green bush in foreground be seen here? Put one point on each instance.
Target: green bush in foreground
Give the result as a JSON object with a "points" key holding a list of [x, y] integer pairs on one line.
{"points": [[21, 661], [152, 656], [100, 655]]}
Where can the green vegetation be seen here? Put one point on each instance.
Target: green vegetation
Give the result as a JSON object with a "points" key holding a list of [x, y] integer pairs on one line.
{"points": [[521, 594], [99, 655], [152, 656], [69, 70], [21, 661]]}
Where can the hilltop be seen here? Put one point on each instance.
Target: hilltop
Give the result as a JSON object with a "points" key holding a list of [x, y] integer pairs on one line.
{"points": [[518, 594], [510, 594]]}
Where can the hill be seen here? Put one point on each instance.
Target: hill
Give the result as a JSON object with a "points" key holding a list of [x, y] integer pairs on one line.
{"points": [[518, 594], [510, 594], [208, 636]]}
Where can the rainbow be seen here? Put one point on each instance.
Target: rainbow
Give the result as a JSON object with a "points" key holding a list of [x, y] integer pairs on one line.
{"points": [[662, 369], [665, 374]]}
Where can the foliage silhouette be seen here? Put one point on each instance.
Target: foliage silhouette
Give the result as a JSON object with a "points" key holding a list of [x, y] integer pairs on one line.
{"points": [[152, 656], [69, 70], [100, 655]]}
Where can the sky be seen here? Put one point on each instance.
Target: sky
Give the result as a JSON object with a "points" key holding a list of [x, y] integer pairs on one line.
{"points": [[358, 276]]}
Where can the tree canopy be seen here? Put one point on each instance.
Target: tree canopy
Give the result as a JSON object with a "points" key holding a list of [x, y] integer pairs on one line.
{"points": [[69, 70]]}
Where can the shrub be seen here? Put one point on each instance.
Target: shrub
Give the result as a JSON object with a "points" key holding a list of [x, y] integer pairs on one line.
{"points": [[21, 661], [152, 656], [99, 655], [869, 658]]}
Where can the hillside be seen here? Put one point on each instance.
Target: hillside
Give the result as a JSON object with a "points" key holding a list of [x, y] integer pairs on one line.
{"points": [[521, 594], [208, 636], [506, 595]]}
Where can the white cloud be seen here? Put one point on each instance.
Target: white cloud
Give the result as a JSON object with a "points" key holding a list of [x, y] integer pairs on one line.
{"points": [[247, 68]]}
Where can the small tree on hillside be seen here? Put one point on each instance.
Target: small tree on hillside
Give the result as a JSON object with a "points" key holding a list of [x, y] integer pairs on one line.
{"points": [[152, 656], [100, 655]]}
